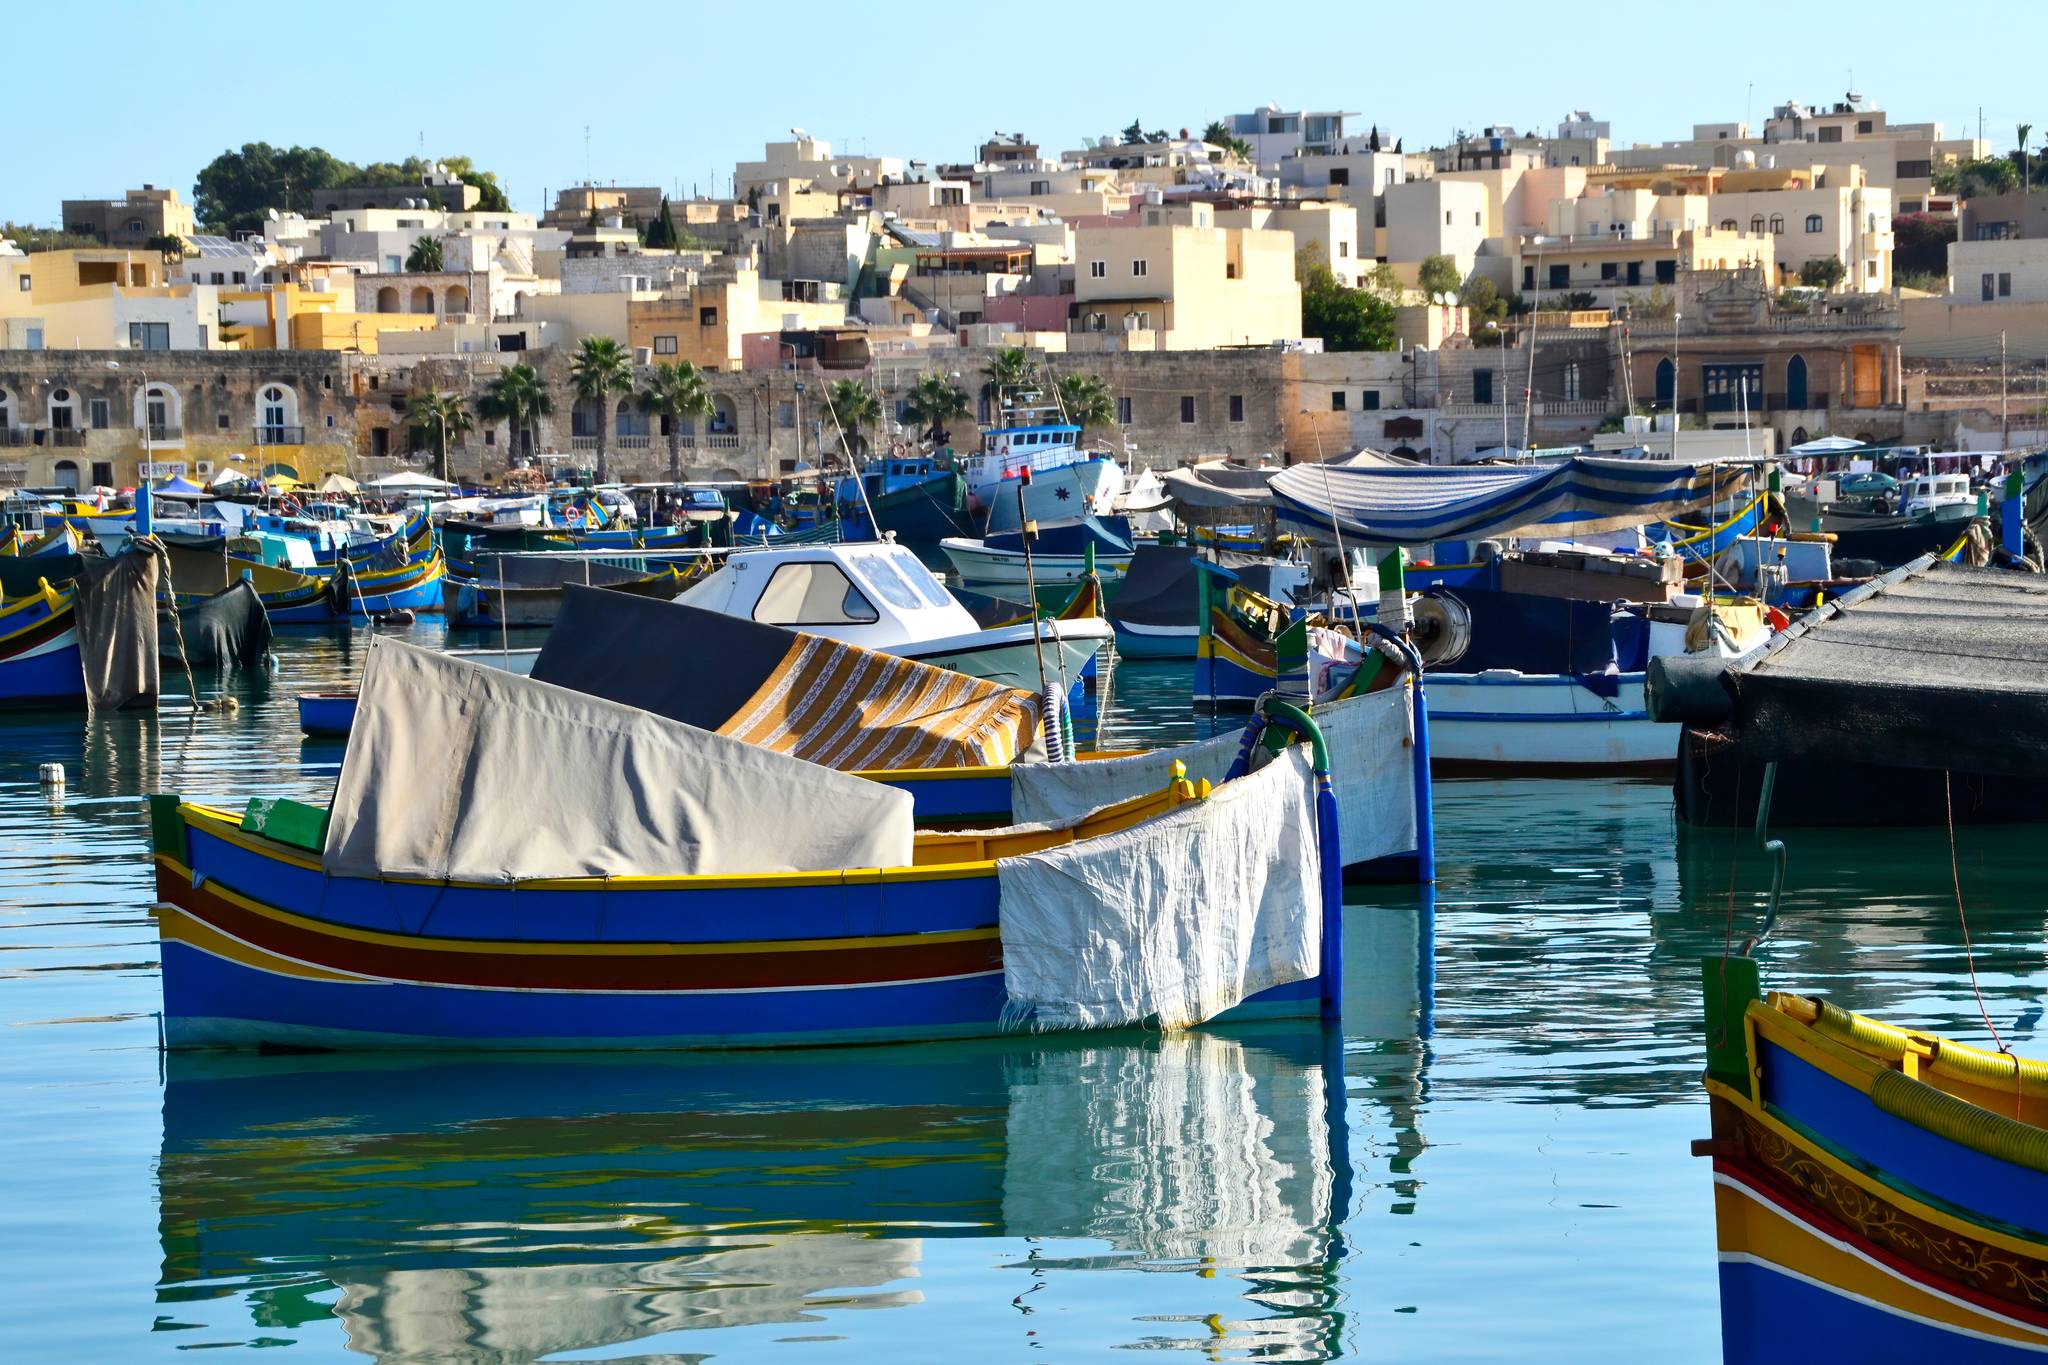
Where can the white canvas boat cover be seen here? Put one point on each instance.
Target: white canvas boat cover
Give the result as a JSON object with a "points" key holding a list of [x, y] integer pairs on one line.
{"points": [[1422, 504], [459, 772], [1372, 770], [1173, 921]]}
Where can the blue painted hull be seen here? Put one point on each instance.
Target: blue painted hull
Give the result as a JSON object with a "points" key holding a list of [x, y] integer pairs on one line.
{"points": [[52, 676], [1767, 1314]]}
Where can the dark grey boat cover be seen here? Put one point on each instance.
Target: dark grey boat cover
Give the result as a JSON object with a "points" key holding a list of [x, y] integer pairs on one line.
{"points": [[543, 570], [681, 662], [1932, 666], [231, 627]]}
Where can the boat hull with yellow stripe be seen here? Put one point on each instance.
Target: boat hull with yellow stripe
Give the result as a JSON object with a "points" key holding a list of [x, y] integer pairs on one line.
{"points": [[261, 947], [40, 664], [1878, 1193]]}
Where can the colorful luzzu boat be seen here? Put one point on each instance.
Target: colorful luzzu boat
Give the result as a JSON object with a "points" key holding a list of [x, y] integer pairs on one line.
{"points": [[294, 598], [442, 903], [1879, 1193], [39, 658]]}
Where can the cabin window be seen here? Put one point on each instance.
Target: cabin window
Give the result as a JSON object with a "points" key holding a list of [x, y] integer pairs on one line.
{"points": [[816, 594], [880, 574]]}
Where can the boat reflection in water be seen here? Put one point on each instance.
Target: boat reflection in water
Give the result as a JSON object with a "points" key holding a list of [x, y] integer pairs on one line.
{"points": [[509, 1208]]}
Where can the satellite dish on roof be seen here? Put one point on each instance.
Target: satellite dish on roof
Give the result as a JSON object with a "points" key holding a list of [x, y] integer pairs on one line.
{"points": [[272, 213]]}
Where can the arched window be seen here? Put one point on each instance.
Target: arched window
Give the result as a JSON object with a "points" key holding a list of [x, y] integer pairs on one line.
{"points": [[1777, 222], [458, 299], [1795, 382], [724, 418], [1571, 382], [1756, 224], [584, 417], [387, 299], [158, 408], [1813, 222], [65, 475], [6, 411], [63, 410], [1728, 225], [1799, 436], [422, 300], [277, 416], [628, 420], [1667, 383]]}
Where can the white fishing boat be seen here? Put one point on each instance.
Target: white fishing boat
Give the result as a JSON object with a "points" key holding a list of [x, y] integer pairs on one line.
{"points": [[1089, 486], [878, 595]]}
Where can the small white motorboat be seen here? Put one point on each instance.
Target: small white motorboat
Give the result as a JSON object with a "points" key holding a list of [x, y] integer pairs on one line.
{"points": [[878, 595]]}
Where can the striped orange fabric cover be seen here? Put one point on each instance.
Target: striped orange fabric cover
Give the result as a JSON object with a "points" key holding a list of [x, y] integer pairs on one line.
{"points": [[854, 709]]}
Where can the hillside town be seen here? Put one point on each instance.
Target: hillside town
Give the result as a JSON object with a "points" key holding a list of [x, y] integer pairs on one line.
{"points": [[1281, 284]]}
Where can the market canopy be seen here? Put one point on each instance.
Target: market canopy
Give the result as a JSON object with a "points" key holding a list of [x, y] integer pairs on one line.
{"points": [[228, 474], [1422, 504], [179, 487], [1826, 445], [410, 480], [339, 483]]}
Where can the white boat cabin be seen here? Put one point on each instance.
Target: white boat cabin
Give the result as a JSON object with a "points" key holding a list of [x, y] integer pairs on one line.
{"points": [[875, 594], [1929, 492]]}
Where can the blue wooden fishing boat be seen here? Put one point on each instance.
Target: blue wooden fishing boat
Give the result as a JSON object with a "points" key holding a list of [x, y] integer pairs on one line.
{"points": [[292, 598], [39, 658], [803, 909], [1879, 1193], [913, 497]]}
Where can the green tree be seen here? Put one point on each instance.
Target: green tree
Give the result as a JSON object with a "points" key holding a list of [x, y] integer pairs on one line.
{"points": [[1382, 280], [1483, 305], [1823, 272], [1216, 135], [518, 397], [1087, 402], [233, 191], [1344, 319], [491, 197], [852, 406], [32, 239], [661, 233], [933, 402], [1011, 369], [1439, 275], [1976, 178], [425, 258], [436, 418], [1920, 244], [674, 392], [600, 369], [168, 245]]}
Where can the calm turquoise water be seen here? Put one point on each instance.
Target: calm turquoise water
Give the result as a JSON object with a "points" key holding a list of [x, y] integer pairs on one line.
{"points": [[1487, 1159]]}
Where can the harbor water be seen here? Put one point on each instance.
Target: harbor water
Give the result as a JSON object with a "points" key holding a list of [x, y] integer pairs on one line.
{"points": [[1488, 1158]]}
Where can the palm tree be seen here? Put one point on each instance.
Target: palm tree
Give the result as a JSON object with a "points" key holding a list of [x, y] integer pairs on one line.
{"points": [[518, 397], [1216, 135], [1086, 401], [1012, 368], [425, 257], [674, 392], [437, 416], [2026, 129], [601, 368], [853, 406], [934, 401]]}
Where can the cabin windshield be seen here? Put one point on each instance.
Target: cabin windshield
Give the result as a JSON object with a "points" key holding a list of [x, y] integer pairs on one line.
{"points": [[814, 594], [880, 574]]}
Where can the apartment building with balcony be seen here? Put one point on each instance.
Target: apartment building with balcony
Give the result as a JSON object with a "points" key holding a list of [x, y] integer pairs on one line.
{"points": [[1176, 280], [1274, 134], [1812, 213], [1623, 243], [134, 219], [102, 299]]}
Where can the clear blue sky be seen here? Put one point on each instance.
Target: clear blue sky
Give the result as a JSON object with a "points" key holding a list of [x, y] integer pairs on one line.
{"points": [[674, 93]]}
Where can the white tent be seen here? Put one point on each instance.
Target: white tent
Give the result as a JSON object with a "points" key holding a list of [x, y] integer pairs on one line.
{"points": [[339, 483], [400, 481], [1826, 445], [226, 475]]}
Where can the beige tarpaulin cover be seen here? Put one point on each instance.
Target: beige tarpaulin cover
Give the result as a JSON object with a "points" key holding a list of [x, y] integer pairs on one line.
{"points": [[467, 773]]}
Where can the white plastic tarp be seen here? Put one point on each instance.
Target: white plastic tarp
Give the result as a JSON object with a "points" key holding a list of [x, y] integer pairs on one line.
{"points": [[1173, 921], [455, 771], [1051, 793], [1372, 770]]}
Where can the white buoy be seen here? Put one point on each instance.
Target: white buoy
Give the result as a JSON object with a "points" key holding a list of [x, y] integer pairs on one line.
{"points": [[52, 775]]}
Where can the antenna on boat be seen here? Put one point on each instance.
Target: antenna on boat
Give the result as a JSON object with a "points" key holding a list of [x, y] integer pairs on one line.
{"points": [[859, 477], [1027, 529]]}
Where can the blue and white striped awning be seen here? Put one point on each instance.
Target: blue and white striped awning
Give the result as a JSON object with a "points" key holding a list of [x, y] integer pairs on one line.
{"points": [[1421, 504]]}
